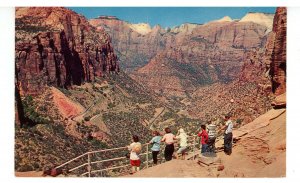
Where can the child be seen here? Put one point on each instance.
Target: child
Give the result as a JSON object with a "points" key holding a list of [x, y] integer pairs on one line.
{"points": [[135, 149], [156, 145], [204, 138], [168, 138], [183, 143]]}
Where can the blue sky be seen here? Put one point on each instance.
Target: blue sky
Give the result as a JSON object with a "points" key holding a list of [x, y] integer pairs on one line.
{"points": [[170, 17]]}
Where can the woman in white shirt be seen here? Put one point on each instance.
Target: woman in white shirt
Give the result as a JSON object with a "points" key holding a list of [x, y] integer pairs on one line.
{"points": [[183, 143], [135, 149], [168, 138]]}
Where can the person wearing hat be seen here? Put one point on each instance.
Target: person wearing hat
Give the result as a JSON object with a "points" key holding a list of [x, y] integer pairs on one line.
{"points": [[183, 143], [228, 135]]}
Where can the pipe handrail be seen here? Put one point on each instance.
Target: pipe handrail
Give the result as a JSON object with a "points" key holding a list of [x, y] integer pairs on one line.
{"points": [[113, 159], [71, 160], [84, 164], [89, 163], [112, 168], [105, 150]]}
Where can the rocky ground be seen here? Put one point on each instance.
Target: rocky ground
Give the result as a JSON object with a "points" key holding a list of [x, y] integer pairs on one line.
{"points": [[259, 149], [259, 152]]}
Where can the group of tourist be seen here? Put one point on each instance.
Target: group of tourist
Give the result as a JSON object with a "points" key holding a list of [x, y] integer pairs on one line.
{"points": [[169, 140]]}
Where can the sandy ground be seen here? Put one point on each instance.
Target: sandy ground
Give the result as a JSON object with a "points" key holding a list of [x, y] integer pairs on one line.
{"points": [[174, 168], [29, 174]]}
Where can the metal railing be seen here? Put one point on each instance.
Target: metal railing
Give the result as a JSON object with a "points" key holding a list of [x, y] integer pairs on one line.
{"points": [[88, 169]]}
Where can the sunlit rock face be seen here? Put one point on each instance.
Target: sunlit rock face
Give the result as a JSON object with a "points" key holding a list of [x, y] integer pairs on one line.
{"points": [[56, 46], [188, 55], [278, 58]]}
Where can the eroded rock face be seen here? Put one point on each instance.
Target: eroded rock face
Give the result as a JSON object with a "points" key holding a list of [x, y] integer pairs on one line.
{"points": [[186, 57], [57, 47], [134, 46], [278, 59]]}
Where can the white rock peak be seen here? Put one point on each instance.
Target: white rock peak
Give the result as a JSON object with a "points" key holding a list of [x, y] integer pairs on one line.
{"points": [[185, 28], [141, 28], [224, 19], [259, 18]]}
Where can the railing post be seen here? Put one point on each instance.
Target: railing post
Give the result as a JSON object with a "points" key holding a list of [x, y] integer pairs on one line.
{"points": [[147, 155], [89, 164], [194, 141]]}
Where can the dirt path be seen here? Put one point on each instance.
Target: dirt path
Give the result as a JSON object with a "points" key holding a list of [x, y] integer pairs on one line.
{"points": [[174, 168], [156, 116], [29, 174]]}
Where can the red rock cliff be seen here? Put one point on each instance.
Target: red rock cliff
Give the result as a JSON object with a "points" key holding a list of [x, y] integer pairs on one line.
{"points": [[278, 58], [186, 56], [56, 46]]}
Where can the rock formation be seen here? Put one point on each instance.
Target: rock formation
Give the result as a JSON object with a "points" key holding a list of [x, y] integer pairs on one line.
{"points": [[56, 46], [188, 55], [278, 58], [135, 43], [265, 19], [224, 19]]}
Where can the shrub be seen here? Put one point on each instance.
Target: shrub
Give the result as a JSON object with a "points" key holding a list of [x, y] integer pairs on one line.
{"points": [[170, 114], [239, 121], [87, 118], [98, 144], [25, 168], [30, 112], [111, 105]]}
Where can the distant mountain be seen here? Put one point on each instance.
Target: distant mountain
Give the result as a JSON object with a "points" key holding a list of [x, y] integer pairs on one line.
{"points": [[184, 28], [141, 28], [224, 19], [265, 19], [215, 51], [262, 77]]}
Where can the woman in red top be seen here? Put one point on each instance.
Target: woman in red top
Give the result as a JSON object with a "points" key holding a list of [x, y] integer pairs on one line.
{"points": [[204, 138]]}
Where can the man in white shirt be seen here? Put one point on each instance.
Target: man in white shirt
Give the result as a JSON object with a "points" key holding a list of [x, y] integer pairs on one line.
{"points": [[228, 135]]}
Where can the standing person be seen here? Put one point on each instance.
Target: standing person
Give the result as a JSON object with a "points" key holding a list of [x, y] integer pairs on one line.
{"points": [[155, 141], [228, 135], [135, 148], [211, 138], [204, 138], [168, 138], [183, 143]]}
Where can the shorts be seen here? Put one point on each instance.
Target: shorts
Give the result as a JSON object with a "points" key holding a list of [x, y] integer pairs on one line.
{"points": [[182, 150], [135, 162]]}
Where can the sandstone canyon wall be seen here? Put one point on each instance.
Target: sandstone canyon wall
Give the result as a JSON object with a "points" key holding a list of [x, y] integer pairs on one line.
{"points": [[56, 46], [278, 59], [189, 55]]}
